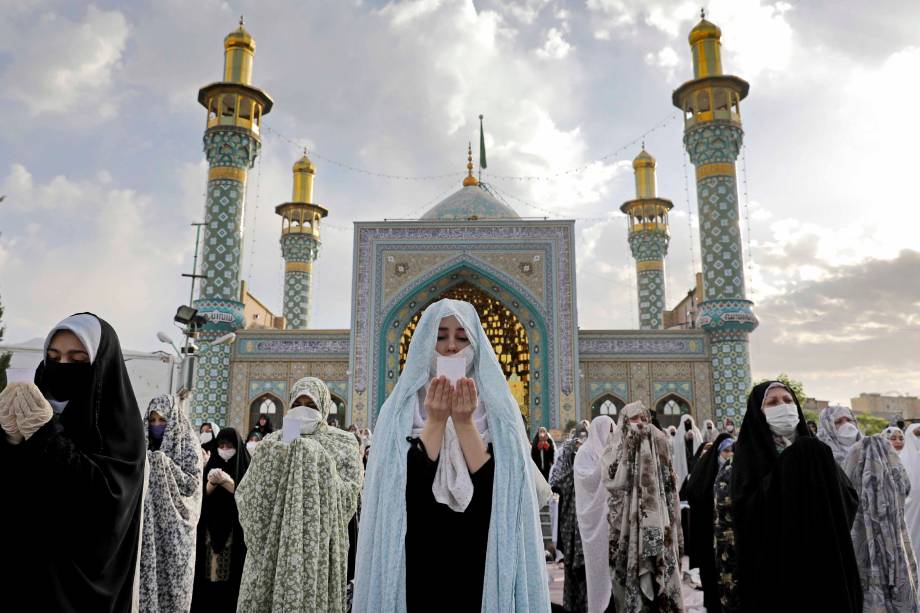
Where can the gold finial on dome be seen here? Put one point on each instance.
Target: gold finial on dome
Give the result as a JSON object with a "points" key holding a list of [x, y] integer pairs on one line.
{"points": [[706, 46], [304, 171], [644, 168], [469, 179], [239, 48]]}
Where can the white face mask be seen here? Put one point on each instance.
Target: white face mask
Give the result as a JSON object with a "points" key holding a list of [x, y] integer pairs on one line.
{"points": [[251, 446], [206, 437], [226, 454], [307, 416], [783, 419], [848, 433], [730, 428]]}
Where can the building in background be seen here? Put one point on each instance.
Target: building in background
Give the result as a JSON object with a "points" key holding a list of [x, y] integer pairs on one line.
{"points": [[519, 273], [890, 407]]}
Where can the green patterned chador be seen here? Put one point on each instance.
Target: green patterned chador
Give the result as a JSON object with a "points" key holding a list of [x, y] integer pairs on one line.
{"points": [[299, 244], [231, 144], [648, 239], [713, 136]]}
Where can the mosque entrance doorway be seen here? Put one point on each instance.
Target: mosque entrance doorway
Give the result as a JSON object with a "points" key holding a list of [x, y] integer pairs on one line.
{"points": [[506, 333]]}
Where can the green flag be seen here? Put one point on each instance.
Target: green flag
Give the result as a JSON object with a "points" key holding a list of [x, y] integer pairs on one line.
{"points": [[482, 146]]}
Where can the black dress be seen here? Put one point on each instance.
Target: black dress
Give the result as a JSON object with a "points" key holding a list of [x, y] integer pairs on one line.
{"points": [[543, 458], [792, 517], [699, 540], [220, 534], [71, 497], [444, 549]]}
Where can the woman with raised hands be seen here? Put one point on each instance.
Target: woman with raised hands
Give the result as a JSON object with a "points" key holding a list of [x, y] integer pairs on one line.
{"points": [[295, 503], [172, 505], [450, 512], [645, 532], [72, 456], [220, 548]]}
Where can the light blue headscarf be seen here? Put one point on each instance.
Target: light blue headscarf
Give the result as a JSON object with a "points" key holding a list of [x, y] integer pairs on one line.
{"points": [[515, 575]]}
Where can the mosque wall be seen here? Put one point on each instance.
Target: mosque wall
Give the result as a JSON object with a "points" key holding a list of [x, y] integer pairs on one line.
{"points": [[526, 264], [266, 363], [651, 366]]}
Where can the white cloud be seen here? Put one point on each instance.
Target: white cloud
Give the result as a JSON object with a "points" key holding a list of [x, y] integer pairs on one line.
{"points": [[665, 58], [756, 35], [555, 47], [99, 247], [63, 66]]}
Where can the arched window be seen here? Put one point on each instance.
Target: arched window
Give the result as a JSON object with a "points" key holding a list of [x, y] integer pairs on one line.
{"points": [[608, 404], [265, 404], [670, 408]]}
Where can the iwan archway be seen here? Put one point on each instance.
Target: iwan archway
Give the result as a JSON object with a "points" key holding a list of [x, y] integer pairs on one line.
{"points": [[515, 329]]}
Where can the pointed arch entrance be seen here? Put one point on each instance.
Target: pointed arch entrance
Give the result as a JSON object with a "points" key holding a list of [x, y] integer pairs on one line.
{"points": [[513, 325]]}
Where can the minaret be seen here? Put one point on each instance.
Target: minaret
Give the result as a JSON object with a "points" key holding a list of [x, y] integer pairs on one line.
{"points": [[648, 240], [231, 144], [713, 136], [299, 244]]}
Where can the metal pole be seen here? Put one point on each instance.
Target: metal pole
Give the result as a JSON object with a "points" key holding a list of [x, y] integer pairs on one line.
{"points": [[195, 275]]}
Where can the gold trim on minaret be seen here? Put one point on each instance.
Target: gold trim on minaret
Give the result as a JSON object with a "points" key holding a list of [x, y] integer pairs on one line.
{"points": [[649, 265], [714, 170], [469, 180], [226, 173]]}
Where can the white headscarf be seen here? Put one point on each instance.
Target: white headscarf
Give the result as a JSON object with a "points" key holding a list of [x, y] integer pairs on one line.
{"points": [[679, 443], [709, 434], [591, 507], [86, 327]]}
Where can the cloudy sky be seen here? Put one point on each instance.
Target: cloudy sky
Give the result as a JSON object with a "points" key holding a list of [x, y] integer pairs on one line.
{"points": [[102, 169]]}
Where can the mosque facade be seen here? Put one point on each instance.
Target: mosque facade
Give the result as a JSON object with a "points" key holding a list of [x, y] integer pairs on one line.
{"points": [[518, 272]]}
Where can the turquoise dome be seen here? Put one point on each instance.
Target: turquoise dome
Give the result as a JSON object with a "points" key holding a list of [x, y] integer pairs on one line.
{"points": [[469, 202]]}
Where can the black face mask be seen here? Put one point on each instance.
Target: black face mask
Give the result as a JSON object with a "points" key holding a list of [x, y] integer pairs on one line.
{"points": [[64, 382], [687, 425]]}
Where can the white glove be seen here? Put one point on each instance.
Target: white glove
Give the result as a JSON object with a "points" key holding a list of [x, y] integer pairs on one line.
{"points": [[7, 414], [29, 407]]}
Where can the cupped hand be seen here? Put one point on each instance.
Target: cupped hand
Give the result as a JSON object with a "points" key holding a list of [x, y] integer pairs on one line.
{"points": [[32, 410], [438, 399], [464, 400], [8, 398]]}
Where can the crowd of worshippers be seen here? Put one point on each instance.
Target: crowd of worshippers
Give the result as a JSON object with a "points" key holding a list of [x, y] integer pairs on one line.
{"points": [[107, 508]]}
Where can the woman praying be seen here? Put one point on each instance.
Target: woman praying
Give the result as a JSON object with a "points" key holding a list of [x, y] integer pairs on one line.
{"points": [[72, 456], [295, 503], [172, 505], [543, 451], [220, 550], [450, 514], [645, 533]]}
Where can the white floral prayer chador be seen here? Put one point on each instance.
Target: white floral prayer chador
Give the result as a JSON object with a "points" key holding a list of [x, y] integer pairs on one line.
{"points": [[172, 505], [295, 503]]}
